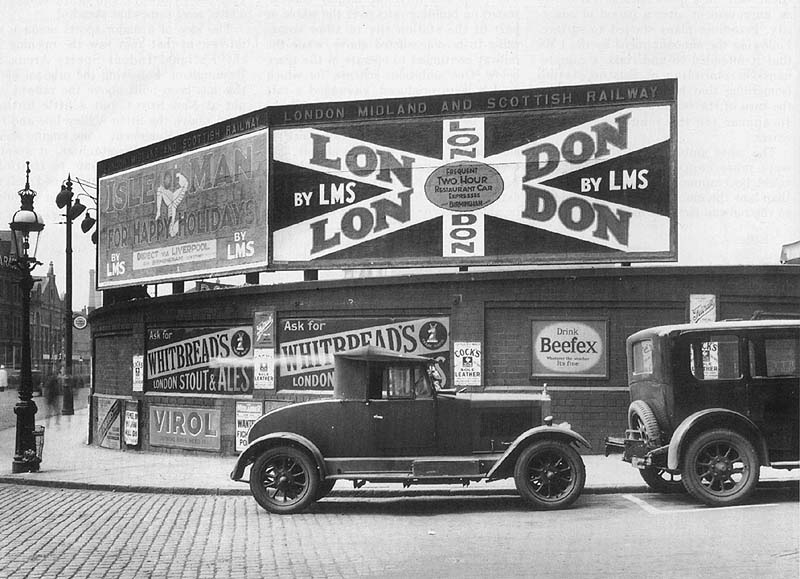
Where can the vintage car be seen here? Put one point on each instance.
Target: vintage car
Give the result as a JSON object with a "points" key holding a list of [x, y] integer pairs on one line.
{"points": [[710, 404], [387, 422]]}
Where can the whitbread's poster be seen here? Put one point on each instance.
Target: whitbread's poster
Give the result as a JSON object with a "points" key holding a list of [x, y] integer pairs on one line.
{"points": [[306, 346], [200, 361]]}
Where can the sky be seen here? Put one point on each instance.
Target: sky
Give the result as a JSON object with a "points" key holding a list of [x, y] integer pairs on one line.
{"points": [[82, 81]]}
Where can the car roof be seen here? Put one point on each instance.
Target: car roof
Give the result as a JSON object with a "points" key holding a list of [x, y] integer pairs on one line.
{"points": [[712, 326]]}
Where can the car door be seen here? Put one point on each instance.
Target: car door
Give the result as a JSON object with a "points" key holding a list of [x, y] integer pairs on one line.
{"points": [[715, 374], [404, 418], [774, 390]]}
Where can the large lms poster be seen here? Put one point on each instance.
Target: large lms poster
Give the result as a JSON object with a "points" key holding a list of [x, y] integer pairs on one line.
{"points": [[569, 174], [196, 214]]}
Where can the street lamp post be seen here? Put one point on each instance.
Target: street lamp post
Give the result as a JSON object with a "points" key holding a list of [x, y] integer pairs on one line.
{"points": [[71, 211], [26, 226]]}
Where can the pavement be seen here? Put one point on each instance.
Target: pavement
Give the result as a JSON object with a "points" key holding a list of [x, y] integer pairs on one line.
{"points": [[69, 462]]}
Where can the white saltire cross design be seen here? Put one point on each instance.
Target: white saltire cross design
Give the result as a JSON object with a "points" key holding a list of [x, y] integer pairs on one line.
{"points": [[463, 140]]}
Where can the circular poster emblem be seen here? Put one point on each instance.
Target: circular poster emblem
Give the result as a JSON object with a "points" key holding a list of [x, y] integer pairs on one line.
{"points": [[240, 343], [433, 335], [464, 186]]}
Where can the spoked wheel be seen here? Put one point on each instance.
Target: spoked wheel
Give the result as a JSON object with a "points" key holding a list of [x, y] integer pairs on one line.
{"points": [[284, 480], [550, 474], [720, 467]]}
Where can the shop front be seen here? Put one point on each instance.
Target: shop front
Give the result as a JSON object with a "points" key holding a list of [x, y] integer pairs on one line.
{"points": [[190, 373]]}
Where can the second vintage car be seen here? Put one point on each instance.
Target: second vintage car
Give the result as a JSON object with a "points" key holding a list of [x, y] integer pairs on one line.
{"points": [[711, 403], [387, 422]]}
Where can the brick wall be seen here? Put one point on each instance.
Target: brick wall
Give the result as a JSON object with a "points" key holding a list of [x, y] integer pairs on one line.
{"points": [[495, 309]]}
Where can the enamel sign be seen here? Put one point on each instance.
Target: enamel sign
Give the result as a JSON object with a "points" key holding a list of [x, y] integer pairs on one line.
{"points": [[573, 174], [570, 348]]}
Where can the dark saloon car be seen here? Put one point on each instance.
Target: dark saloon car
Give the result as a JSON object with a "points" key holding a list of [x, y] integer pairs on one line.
{"points": [[710, 404], [387, 422]]}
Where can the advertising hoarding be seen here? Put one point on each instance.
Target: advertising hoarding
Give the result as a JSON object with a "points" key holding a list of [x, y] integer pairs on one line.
{"points": [[107, 426], [247, 413], [195, 214], [467, 364], [199, 361], [570, 348], [306, 346], [567, 174], [185, 427]]}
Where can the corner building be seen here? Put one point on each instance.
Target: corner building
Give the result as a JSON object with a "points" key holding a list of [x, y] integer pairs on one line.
{"points": [[190, 372]]}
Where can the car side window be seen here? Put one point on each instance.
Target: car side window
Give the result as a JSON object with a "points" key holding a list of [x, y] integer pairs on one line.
{"points": [[422, 383], [397, 382], [774, 357], [715, 358]]}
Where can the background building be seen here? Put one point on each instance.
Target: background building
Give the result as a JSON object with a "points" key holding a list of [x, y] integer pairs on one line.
{"points": [[47, 322]]}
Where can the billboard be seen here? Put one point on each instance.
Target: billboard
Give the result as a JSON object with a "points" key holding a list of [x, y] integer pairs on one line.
{"points": [[306, 346], [202, 212], [563, 175], [570, 348], [214, 361]]}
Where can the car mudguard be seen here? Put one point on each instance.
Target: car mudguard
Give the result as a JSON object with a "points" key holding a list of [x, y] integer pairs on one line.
{"points": [[254, 448], [716, 417], [505, 464]]}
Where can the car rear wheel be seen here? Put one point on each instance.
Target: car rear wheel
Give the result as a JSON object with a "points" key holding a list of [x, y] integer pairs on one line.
{"points": [[550, 474], [720, 467], [661, 480], [284, 480]]}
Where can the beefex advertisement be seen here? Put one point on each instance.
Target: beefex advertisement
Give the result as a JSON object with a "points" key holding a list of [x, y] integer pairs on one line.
{"points": [[306, 346], [203, 212], [570, 348], [211, 361], [569, 174]]}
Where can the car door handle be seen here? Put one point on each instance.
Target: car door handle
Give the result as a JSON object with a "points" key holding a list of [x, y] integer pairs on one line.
{"points": [[377, 417]]}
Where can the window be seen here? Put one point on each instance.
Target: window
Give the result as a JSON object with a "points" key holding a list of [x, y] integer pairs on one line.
{"points": [[406, 382], [643, 357], [397, 382], [715, 358], [774, 357]]}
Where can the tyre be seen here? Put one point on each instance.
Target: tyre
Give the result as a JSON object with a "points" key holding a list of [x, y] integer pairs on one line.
{"points": [[661, 480], [720, 467], [325, 487], [284, 480], [641, 418], [550, 474]]}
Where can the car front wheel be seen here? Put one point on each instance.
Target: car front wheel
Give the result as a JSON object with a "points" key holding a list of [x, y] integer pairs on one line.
{"points": [[550, 474], [284, 480], [720, 467]]}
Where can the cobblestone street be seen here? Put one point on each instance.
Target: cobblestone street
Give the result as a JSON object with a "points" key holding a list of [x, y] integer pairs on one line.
{"points": [[46, 532]]}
